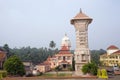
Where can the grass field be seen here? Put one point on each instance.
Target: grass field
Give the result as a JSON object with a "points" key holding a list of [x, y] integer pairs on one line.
{"points": [[57, 75]]}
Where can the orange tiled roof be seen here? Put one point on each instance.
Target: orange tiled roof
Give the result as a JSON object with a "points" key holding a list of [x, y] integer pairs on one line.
{"points": [[2, 55], [64, 50], [80, 15], [45, 63], [53, 56], [117, 52], [49, 58], [112, 47]]}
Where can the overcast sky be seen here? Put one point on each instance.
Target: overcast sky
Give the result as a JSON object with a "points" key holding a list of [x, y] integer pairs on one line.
{"points": [[36, 22]]}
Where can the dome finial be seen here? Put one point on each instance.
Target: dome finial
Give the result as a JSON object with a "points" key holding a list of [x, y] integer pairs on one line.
{"points": [[80, 10], [65, 34]]}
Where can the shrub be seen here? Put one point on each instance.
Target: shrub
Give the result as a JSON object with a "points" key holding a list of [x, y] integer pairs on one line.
{"points": [[85, 69], [70, 67], [40, 73], [90, 68], [58, 68], [14, 66], [29, 75]]}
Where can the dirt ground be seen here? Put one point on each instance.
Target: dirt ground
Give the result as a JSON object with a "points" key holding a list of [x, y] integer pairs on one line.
{"points": [[117, 77]]}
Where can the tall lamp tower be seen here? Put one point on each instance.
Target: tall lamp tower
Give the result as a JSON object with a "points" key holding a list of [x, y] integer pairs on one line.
{"points": [[82, 53]]}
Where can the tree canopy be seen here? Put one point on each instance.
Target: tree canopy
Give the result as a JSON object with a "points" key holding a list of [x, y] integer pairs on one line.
{"points": [[14, 66], [90, 68], [6, 48], [38, 55], [95, 55]]}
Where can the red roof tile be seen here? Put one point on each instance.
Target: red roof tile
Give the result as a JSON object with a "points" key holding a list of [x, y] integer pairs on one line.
{"points": [[117, 52], [49, 58], [53, 56], [64, 50], [82, 16], [45, 63], [2, 55], [112, 47]]}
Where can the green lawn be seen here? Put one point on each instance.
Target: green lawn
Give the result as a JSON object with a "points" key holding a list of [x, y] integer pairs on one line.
{"points": [[56, 75]]}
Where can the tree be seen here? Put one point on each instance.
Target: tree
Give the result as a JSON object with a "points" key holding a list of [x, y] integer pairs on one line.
{"points": [[95, 55], [90, 68], [14, 66], [35, 55], [6, 47], [52, 44], [73, 64]]}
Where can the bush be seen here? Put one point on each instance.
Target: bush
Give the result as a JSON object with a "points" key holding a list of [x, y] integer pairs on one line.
{"points": [[85, 69], [29, 75], [90, 68], [58, 68], [40, 73], [14, 66], [70, 67]]}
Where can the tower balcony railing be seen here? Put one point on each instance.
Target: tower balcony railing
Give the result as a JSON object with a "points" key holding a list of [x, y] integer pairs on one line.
{"points": [[81, 61]]}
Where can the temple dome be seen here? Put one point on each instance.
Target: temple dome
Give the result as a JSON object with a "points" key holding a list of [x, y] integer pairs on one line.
{"points": [[66, 41]]}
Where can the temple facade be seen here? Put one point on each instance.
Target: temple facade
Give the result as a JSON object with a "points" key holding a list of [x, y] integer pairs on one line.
{"points": [[63, 58]]}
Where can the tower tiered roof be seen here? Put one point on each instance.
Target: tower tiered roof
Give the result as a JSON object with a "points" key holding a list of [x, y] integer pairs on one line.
{"points": [[81, 16]]}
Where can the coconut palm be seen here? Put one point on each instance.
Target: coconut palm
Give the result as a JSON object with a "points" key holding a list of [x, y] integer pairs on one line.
{"points": [[52, 44]]}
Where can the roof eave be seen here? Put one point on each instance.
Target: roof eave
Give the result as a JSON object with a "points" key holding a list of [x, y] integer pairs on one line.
{"points": [[72, 20]]}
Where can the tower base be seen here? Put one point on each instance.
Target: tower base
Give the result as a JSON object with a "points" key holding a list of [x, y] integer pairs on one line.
{"points": [[76, 73]]}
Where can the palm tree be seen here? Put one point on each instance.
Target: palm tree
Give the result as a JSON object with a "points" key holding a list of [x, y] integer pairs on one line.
{"points": [[52, 44], [7, 49]]}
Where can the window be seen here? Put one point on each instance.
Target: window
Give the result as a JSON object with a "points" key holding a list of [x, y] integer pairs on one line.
{"points": [[82, 44], [59, 57], [78, 57], [54, 63], [64, 58], [83, 57], [68, 58]]}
